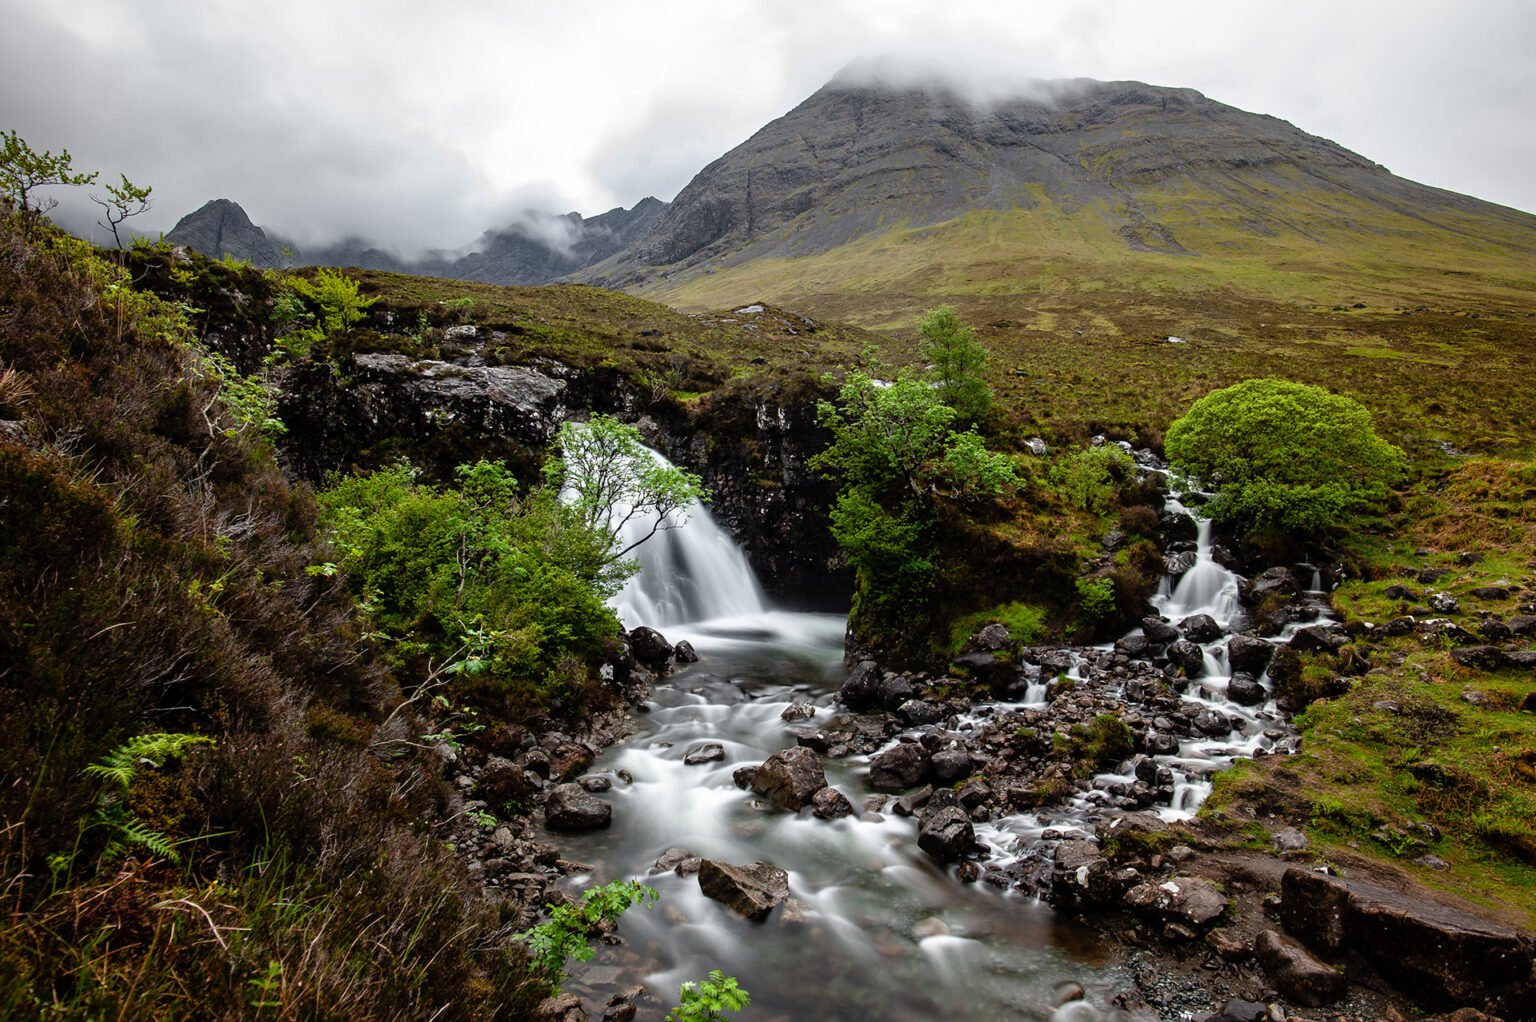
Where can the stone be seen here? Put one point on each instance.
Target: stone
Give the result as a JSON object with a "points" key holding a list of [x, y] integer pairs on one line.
{"points": [[1295, 973], [704, 752], [989, 669], [861, 690], [595, 783], [1193, 901], [1081, 876], [898, 768], [1159, 631], [564, 1008], [1288, 839], [650, 646], [1481, 658], [1188, 656], [742, 776], [1249, 654], [1176, 526], [684, 653], [798, 711], [993, 638], [947, 834], [1246, 690], [951, 765], [919, 713], [1229, 944], [1278, 582], [1489, 593], [1200, 628], [750, 891], [1438, 954], [830, 804], [929, 927], [569, 760], [1319, 639], [1444, 603], [571, 808], [790, 778], [1213, 723], [912, 801], [670, 860], [893, 690]]}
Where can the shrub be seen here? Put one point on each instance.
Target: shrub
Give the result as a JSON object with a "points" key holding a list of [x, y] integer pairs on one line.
{"points": [[1284, 457], [958, 364], [709, 1001], [1087, 478], [568, 933]]}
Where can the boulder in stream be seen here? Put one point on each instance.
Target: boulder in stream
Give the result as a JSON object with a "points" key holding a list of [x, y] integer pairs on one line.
{"points": [[650, 647], [750, 891], [1188, 656], [1249, 654], [898, 768], [862, 689], [571, 808], [790, 778], [1200, 628], [1193, 901], [947, 834]]}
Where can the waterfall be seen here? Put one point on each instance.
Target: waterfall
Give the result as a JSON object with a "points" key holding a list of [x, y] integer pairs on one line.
{"points": [[1206, 588], [690, 570]]}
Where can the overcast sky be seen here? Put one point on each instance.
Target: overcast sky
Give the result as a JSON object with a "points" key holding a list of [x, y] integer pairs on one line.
{"points": [[421, 125]]}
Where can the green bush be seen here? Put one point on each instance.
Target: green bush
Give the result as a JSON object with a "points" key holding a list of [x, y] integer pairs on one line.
{"points": [[709, 1001], [958, 364], [1285, 457], [1024, 623], [1087, 478], [568, 933]]}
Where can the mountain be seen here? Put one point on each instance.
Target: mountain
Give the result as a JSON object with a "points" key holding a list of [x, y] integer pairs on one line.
{"points": [[536, 249], [220, 228], [871, 198]]}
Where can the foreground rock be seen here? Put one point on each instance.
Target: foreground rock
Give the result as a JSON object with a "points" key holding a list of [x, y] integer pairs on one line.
{"points": [[750, 891], [947, 834], [1295, 973], [571, 808], [790, 778], [1440, 955], [1190, 901]]}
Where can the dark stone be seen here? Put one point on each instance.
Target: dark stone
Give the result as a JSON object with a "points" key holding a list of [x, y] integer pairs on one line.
{"points": [[742, 776], [750, 891], [947, 834], [1193, 901], [1481, 658], [1399, 592], [1176, 525], [1523, 624], [1081, 876], [1319, 639], [1200, 628], [1133, 646], [571, 808], [898, 768], [650, 646], [912, 801], [790, 778], [798, 711], [951, 765], [1489, 593], [1245, 690], [1438, 954], [1271, 582], [705, 752], [1159, 631], [985, 668], [1429, 576], [1495, 631], [1295, 973], [684, 653], [1188, 656], [1248, 654], [861, 690], [994, 638], [893, 690], [595, 783], [570, 760], [1237, 1010], [919, 712], [829, 804], [670, 860]]}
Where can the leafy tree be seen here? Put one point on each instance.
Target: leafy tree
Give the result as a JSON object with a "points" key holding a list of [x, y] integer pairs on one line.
{"points": [[611, 480], [896, 459], [23, 170], [341, 301], [1284, 457], [122, 201], [1087, 477], [958, 363], [709, 1001]]}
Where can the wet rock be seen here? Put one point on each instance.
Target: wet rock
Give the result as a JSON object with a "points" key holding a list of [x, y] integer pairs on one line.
{"points": [[564, 1008], [1081, 876], [650, 646], [815, 739], [947, 834], [1436, 953], [1176, 564], [1248, 654], [994, 638], [912, 801], [1277, 582], [1481, 658], [989, 669], [1159, 631], [790, 778], [1193, 901], [569, 760], [1213, 723], [798, 711], [684, 653], [1229, 944], [705, 752], [1176, 526], [595, 783], [750, 891], [1295, 973], [893, 690], [669, 860], [1239, 1010], [861, 690], [974, 794], [919, 713], [1245, 690], [1200, 628], [830, 804], [742, 776], [898, 768], [1319, 639], [1188, 656], [951, 765], [930, 927], [571, 808], [1133, 646]]}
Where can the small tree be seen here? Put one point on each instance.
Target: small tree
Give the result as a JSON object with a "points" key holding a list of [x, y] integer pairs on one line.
{"points": [[341, 301], [1284, 457], [122, 202], [610, 480], [958, 363], [23, 170]]}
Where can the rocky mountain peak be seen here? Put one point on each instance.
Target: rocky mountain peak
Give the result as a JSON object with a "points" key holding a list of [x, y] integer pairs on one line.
{"points": [[221, 228]]}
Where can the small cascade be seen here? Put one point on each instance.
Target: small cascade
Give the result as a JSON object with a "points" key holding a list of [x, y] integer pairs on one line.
{"points": [[1206, 588], [690, 570]]}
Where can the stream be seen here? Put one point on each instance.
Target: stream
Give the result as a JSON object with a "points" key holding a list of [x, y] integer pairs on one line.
{"points": [[875, 928]]}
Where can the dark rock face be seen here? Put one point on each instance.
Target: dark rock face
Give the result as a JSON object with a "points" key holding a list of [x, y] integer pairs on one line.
{"points": [[899, 768], [861, 690], [1200, 628], [1245, 690], [790, 778], [947, 834], [1296, 974], [1248, 654], [650, 646], [571, 808], [1193, 901], [1159, 631], [220, 228], [1271, 582], [1188, 656], [1440, 955], [750, 891]]}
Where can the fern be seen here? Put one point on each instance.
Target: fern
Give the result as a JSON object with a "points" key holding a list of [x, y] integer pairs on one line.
{"points": [[120, 767]]}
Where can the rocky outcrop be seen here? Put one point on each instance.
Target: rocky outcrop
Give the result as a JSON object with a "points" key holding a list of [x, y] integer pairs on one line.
{"points": [[1295, 973], [221, 228], [790, 778], [1440, 955], [570, 808], [750, 891]]}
